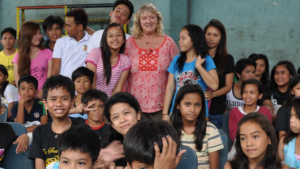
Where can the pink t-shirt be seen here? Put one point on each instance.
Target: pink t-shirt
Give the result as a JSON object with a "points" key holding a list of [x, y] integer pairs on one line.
{"points": [[237, 113], [95, 57], [39, 66], [148, 76]]}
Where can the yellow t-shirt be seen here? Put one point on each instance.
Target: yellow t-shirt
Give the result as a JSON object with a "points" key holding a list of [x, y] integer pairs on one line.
{"points": [[6, 61]]}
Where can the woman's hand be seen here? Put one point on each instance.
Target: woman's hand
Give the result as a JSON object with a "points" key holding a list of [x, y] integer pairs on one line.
{"points": [[208, 94], [112, 152], [199, 61], [22, 142]]}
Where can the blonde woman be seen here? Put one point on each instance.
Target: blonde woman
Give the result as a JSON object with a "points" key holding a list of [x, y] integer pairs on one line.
{"points": [[151, 53]]}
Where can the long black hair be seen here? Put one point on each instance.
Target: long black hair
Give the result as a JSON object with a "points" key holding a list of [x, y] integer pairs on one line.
{"points": [[271, 159], [290, 67], [220, 58], [265, 76], [3, 85], [290, 135], [295, 80], [199, 43], [106, 53], [176, 117], [121, 97]]}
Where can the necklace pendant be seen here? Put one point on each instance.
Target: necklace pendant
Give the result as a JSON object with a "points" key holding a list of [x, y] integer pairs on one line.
{"points": [[56, 136]]}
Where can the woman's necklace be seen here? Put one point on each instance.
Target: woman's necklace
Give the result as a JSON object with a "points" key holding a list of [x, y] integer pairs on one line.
{"points": [[68, 126], [147, 42]]}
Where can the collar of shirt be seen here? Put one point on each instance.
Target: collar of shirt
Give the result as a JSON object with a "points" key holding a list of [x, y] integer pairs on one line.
{"points": [[85, 38]]}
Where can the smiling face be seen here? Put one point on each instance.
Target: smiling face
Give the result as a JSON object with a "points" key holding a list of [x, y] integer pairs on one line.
{"points": [[58, 102], [54, 32], [185, 41], [120, 15], [254, 140], [213, 37], [123, 117], [282, 76], [247, 73], [71, 159], [82, 84], [190, 107], [115, 38], [260, 67], [36, 39], [8, 40], [97, 115], [294, 122], [148, 22], [251, 94]]}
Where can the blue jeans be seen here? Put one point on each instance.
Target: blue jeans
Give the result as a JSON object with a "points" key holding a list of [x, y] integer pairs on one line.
{"points": [[216, 120]]}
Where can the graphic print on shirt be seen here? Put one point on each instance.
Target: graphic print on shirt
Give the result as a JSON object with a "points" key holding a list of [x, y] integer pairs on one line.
{"points": [[148, 60], [50, 162], [188, 77], [276, 106], [44, 72]]}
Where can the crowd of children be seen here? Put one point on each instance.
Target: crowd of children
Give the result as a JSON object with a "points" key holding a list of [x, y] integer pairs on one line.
{"points": [[87, 102]]}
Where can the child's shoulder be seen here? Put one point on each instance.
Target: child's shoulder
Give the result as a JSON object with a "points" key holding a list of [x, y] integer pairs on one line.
{"points": [[210, 126]]}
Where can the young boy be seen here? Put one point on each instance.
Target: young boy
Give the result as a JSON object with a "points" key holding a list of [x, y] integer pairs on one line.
{"points": [[143, 136], [83, 80], [8, 39], [79, 146], [96, 99], [29, 111], [58, 94], [53, 27]]}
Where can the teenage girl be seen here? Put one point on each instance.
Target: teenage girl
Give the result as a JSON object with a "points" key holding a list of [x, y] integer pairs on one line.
{"points": [[189, 120], [32, 58], [262, 67], [110, 66], [251, 91], [122, 111], [288, 148], [215, 35], [8, 91], [244, 70], [256, 145], [192, 66], [282, 124], [275, 94]]}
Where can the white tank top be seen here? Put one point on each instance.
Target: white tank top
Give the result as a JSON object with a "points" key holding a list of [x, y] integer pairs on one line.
{"points": [[232, 101]]}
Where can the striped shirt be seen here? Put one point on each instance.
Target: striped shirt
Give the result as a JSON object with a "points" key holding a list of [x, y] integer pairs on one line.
{"points": [[212, 142], [95, 57]]}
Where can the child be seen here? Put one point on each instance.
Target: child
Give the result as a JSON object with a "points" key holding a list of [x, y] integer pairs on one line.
{"points": [[29, 111], [96, 99], [143, 136], [256, 144], [192, 66], [83, 80], [122, 111], [58, 94], [53, 28], [8, 40], [282, 124], [79, 146], [110, 66], [262, 68], [8, 91], [244, 70], [189, 121], [288, 148], [32, 58], [275, 94], [251, 91]]}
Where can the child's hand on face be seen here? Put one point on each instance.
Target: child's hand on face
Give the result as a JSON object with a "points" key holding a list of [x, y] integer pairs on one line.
{"points": [[22, 142], [82, 108], [112, 152], [167, 159], [101, 164], [24, 98], [199, 61]]}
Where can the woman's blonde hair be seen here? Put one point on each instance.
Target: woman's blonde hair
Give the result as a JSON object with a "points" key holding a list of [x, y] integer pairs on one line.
{"points": [[137, 30]]}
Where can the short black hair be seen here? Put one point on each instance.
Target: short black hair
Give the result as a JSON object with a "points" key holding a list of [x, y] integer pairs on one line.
{"points": [[260, 86], [242, 64], [127, 3], [56, 82], [83, 71], [93, 94], [28, 79], [139, 140], [80, 16], [10, 30], [81, 138], [50, 20]]}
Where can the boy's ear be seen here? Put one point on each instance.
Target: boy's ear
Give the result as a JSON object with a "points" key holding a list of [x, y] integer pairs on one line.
{"points": [[36, 91], [1, 41], [139, 115], [260, 96], [110, 13], [80, 26], [45, 103], [127, 22]]}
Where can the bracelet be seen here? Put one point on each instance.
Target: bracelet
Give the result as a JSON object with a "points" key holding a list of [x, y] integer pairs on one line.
{"points": [[164, 114]]}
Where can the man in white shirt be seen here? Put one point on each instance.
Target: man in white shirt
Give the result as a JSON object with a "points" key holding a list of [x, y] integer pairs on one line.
{"points": [[70, 52], [121, 14]]}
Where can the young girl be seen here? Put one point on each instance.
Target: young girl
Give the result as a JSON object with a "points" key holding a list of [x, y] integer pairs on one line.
{"points": [[262, 67], [122, 111], [32, 57], [192, 66], [288, 148], [215, 35], [111, 68], [256, 145], [282, 124], [275, 94], [251, 91], [189, 120], [8, 91], [244, 70]]}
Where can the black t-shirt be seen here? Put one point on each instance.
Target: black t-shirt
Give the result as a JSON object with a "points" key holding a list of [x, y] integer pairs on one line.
{"points": [[7, 136], [283, 119], [277, 98], [218, 104], [47, 45], [44, 144]]}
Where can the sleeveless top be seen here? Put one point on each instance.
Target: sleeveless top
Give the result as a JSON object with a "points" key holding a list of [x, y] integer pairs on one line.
{"points": [[289, 155]]}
